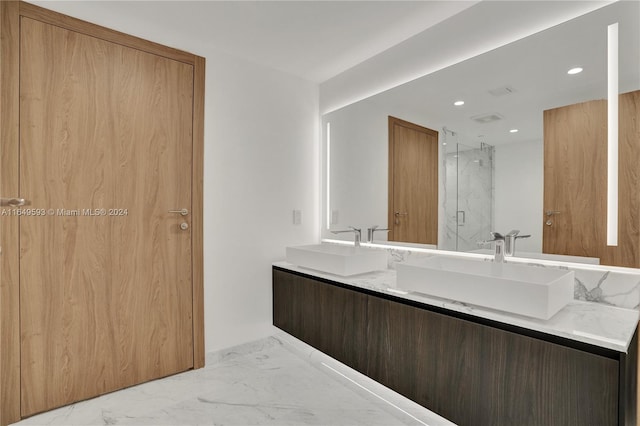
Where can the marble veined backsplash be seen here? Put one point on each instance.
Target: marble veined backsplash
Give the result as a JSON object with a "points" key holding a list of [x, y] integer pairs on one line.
{"points": [[609, 287]]}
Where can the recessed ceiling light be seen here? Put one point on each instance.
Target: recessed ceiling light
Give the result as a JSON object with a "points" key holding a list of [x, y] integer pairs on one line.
{"points": [[458, 103], [513, 130], [444, 144], [575, 70]]}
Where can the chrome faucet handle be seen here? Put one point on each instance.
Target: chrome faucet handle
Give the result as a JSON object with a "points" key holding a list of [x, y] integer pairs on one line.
{"points": [[498, 255], [510, 242], [372, 230], [340, 231], [357, 234], [499, 249], [496, 236]]}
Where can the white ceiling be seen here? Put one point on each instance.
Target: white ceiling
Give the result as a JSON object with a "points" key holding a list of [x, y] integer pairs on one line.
{"points": [[536, 67], [314, 40]]}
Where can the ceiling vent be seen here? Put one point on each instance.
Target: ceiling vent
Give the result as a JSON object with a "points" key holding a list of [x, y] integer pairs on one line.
{"points": [[501, 91], [487, 118]]}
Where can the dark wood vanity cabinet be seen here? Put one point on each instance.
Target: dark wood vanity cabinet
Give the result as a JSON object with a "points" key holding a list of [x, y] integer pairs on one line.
{"points": [[473, 374], [470, 371], [329, 318]]}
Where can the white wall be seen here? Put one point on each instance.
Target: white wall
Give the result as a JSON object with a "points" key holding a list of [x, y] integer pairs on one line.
{"points": [[261, 162], [519, 192], [359, 158]]}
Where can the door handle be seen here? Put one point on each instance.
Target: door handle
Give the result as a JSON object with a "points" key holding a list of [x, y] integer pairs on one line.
{"points": [[397, 215], [13, 202], [183, 212], [550, 213]]}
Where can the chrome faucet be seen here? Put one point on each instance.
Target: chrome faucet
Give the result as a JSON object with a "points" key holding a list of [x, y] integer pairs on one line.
{"points": [[357, 234], [510, 242], [498, 255], [498, 240], [371, 231]]}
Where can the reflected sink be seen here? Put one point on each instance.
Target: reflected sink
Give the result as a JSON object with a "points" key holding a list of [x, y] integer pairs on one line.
{"points": [[520, 289], [337, 259]]}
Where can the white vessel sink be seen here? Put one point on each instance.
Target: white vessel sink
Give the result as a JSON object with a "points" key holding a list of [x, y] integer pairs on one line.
{"points": [[521, 289], [337, 259]]}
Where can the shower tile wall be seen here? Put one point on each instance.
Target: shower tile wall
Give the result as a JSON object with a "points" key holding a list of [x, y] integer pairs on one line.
{"points": [[469, 197]]}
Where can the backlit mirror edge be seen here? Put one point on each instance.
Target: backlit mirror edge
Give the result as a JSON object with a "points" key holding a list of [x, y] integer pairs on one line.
{"points": [[612, 135], [612, 182]]}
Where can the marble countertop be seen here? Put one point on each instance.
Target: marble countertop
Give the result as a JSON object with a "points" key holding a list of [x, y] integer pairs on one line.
{"points": [[593, 323]]}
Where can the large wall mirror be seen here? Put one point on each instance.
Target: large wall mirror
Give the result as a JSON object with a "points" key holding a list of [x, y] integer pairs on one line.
{"points": [[491, 150]]}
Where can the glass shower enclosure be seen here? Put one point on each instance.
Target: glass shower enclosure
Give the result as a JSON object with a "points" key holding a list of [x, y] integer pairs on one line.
{"points": [[469, 189]]}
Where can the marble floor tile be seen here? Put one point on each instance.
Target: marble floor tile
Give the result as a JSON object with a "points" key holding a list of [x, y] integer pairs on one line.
{"points": [[275, 381]]}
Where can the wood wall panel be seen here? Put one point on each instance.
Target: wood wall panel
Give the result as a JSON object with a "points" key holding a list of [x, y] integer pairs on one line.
{"points": [[197, 213], [629, 176], [9, 239]]}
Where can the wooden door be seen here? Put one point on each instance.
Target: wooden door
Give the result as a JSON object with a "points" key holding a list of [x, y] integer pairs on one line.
{"points": [[413, 183], [105, 269], [575, 181]]}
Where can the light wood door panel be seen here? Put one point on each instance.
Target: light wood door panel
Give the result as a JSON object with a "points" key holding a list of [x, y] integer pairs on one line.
{"points": [[9, 290], [575, 160], [106, 300], [413, 183], [575, 170]]}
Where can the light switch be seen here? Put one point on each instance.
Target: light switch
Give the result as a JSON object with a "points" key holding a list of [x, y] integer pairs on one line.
{"points": [[334, 217], [297, 217]]}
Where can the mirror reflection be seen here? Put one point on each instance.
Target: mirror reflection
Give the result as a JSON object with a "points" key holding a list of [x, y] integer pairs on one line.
{"points": [[497, 119]]}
